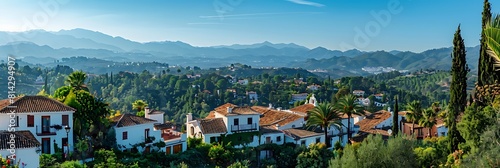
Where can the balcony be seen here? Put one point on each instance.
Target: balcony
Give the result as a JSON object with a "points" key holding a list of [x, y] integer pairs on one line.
{"points": [[45, 131], [244, 127]]}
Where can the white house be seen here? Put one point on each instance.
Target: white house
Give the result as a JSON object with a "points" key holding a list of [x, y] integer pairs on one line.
{"points": [[26, 148], [174, 139], [303, 137], [243, 82], [131, 130], [154, 115], [375, 123], [359, 93], [298, 97], [313, 87], [45, 118], [379, 96], [253, 96]]}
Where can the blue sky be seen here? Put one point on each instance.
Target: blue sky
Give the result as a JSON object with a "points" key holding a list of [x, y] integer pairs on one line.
{"points": [[414, 25]]}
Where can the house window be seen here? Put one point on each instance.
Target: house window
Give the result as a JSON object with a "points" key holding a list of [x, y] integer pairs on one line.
{"points": [[249, 121], [192, 130], [236, 121], [65, 120], [420, 133], [303, 142], [45, 124], [442, 133], [168, 150], [293, 126], [17, 122], [65, 141], [212, 139], [146, 133], [177, 148], [31, 120], [278, 139], [318, 140], [268, 139], [124, 135], [46, 145]]}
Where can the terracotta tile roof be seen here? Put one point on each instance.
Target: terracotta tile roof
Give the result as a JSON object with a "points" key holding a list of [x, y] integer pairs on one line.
{"points": [[373, 120], [28, 104], [167, 125], [125, 120], [273, 117], [300, 133], [363, 135], [303, 108], [236, 110], [23, 139], [269, 130], [212, 126], [210, 115], [402, 113]]}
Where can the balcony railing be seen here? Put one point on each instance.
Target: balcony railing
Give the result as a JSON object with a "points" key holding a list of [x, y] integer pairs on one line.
{"points": [[244, 127], [44, 131]]}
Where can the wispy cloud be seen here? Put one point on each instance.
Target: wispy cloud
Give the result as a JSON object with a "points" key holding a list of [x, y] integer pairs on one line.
{"points": [[305, 2], [207, 23], [250, 15]]}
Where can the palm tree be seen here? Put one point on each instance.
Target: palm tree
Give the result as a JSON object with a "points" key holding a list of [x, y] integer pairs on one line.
{"points": [[139, 105], [324, 115], [77, 80], [492, 34], [414, 113], [347, 105], [428, 119]]}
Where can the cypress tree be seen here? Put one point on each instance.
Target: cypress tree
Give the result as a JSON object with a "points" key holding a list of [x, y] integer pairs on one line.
{"points": [[486, 72], [458, 92], [395, 124]]}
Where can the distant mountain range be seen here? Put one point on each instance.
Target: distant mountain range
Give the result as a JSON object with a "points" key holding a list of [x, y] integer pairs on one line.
{"points": [[38, 45]]}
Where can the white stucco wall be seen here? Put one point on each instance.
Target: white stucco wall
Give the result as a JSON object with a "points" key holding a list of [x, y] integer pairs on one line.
{"points": [[273, 138], [158, 117], [308, 140], [442, 129], [197, 130], [229, 121], [182, 140], [55, 119], [135, 134], [24, 155]]}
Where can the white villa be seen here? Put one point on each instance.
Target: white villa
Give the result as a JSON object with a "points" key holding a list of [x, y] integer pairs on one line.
{"points": [[359, 93], [131, 129], [40, 122], [275, 125]]}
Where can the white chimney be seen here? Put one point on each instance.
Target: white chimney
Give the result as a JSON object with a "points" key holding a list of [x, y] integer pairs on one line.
{"points": [[189, 117], [146, 112], [229, 109], [277, 126], [270, 106], [279, 108]]}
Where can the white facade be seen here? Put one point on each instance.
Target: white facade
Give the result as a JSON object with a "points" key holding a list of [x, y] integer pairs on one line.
{"points": [[306, 141], [172, 144], [44, 137], [28, 156], [276, 138], [135, 134], [242, 122], [442, 130], [358, 92]]}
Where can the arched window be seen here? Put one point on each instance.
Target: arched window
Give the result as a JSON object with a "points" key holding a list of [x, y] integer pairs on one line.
{"points": [[192, 130]]}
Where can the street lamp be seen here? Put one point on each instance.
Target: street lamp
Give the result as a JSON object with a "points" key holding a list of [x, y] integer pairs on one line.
{"points": [[67, 128]]}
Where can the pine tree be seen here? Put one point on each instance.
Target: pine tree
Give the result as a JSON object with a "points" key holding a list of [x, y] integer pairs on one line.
{"points": [[395, 124], [486, 72], [458, 92]]}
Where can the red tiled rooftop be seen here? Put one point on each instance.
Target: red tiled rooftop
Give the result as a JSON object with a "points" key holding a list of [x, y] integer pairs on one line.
{"points": [[273, 117]]}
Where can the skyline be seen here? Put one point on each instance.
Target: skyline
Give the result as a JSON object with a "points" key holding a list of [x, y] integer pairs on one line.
{"points": [[404, 25]]}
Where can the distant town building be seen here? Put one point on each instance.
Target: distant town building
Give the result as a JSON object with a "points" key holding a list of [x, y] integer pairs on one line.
{"points": [[358, 93]]}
